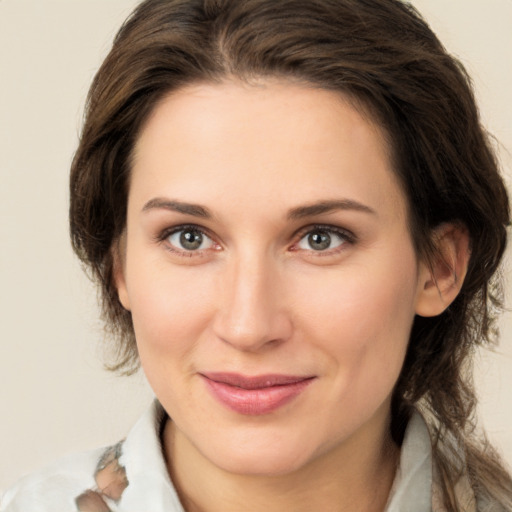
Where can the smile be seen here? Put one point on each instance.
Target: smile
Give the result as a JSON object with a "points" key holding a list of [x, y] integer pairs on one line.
{"points": [[257, 395]]}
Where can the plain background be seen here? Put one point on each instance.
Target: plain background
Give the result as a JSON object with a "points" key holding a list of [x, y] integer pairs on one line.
{"points": [[55, 397]]}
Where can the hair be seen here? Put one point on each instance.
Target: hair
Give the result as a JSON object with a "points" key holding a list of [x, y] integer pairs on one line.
{"points": [[382, 55]]}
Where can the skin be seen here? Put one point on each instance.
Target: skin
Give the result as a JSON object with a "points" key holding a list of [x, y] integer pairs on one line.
{"points": [[257, 297]]}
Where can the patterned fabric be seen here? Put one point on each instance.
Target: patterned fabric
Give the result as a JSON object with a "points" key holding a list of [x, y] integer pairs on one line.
{"points": [[463, 491], [110, 479]]}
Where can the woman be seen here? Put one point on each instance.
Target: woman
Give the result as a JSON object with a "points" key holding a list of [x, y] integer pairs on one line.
{"points": [[295, 219]]}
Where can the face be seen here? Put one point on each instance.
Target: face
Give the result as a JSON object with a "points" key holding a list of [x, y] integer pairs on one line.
{"points": [[269, 271]]}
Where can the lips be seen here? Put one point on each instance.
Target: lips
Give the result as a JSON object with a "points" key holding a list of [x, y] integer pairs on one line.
{"points": [[255, 395]]}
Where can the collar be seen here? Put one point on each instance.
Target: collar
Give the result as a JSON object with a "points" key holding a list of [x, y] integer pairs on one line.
{"points": [[146, 470], [416, 485], [411, 488]]}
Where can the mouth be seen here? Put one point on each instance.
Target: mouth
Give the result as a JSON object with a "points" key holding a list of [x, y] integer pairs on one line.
{"points": [[255, 395]]}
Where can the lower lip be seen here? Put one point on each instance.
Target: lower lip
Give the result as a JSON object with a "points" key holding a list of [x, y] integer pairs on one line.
{"points": [[255, 402]]}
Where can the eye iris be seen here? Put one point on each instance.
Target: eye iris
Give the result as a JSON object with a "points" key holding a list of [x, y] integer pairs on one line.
{"points": [[191, 240], [319, 240]]}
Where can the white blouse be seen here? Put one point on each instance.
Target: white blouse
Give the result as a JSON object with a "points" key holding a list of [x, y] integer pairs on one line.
{"points": [[132, 476]]}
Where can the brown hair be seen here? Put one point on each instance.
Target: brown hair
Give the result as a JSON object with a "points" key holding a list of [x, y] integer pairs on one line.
{"points": [[382, 54]]}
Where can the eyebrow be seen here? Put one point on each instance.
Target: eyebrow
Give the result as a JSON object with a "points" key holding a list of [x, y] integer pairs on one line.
{"points": [[327, 207], [297, 213], [195, 210]]}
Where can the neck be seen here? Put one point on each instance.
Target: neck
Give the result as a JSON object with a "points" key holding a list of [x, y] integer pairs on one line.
{"points": [[356, 476]]}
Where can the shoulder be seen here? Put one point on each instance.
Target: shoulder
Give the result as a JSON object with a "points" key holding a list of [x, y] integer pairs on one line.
{"points": [[467, 473], [54, 487], [128, 476]]}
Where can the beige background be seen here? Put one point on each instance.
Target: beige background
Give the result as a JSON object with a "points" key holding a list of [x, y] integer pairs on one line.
{"points": [[54, 395]]}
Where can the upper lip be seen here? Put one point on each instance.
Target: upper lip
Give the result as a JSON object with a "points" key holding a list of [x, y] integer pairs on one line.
{"points": [[256, 381]]}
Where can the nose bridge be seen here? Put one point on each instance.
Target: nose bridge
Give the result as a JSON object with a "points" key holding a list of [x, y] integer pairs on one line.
{"points": [[251, 313]]}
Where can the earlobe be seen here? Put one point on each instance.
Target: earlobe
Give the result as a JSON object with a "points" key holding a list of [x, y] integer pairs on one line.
{"points": [[441, 279], [118, 256]]}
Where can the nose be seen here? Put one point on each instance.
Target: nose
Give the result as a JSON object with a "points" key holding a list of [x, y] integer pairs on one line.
{"points": [[251, 312]]}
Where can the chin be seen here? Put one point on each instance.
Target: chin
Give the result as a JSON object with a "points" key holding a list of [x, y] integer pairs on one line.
{"points": [[262, 466], [272, 459]]}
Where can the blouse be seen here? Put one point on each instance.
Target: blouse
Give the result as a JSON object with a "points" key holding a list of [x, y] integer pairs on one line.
{"points": [[132, 476]]}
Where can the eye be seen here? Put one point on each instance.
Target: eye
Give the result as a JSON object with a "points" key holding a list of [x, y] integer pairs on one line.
{"points": [[190, 239], [322, 239]]}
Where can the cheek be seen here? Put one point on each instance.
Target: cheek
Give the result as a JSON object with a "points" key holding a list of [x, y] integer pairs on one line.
{"points": [[170, 312], [169, 308], [362, 317]]}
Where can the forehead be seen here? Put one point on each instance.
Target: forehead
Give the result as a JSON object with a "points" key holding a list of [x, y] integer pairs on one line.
{"points": [[281, 142]]}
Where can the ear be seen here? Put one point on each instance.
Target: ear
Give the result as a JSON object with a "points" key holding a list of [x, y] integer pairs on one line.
{"points": [[441, 279], [119, 270]]}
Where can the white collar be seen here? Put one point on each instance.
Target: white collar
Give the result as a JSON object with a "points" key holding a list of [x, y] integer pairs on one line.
{"points": [[149, 484], [147, 473], [412, 488]]}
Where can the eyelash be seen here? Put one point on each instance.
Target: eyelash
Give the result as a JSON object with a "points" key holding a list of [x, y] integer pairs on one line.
{"points": [[166, 233], [347, 237]]}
